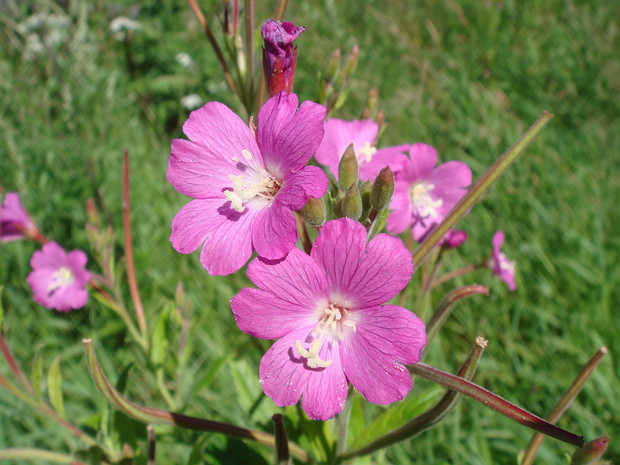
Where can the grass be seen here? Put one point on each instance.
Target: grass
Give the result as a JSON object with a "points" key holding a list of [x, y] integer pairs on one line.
{"points": [[466, 77]]}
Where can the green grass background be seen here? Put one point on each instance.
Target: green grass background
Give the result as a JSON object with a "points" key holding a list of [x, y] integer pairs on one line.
{"points": [[467, 77]]}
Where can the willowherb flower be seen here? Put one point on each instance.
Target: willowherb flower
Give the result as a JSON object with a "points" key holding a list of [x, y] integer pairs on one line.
{"points": [[58, 279], [453, 239], [339, 134], [500, 264], [423, 194], [14, 220], [279, 55], [328, 311], [246, 186]]}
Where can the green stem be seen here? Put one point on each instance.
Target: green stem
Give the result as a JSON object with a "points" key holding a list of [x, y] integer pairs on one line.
{"points": [[37, 454], [493, 401], [563, 404], [481, 185], [429, 418], [163, 417]]}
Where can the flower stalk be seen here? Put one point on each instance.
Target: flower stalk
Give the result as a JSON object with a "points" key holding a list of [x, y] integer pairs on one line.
{"points": [[494, 402], [481, 185], [163, 417]]}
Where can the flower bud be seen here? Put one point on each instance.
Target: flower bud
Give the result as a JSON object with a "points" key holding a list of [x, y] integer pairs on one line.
{"points": [[382, 189], [347, 169], [352, 203], [313, 212], [279, 55], [365, 190], [591, 451], [351, 64], [333, 65]]}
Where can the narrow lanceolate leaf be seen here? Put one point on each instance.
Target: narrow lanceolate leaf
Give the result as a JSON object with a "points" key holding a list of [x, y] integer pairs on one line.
{"points": [[163, 417], [37, 375], [54, 387], [495, 402]]}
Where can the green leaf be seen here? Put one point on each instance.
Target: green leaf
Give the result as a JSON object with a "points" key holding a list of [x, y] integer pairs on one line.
{"points": [[212, 371], [249, 393], [54, 390], [397, 415], [159, 340]]}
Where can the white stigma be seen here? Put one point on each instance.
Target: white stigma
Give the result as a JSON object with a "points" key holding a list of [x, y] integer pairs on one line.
{"points": [[312, 354], [422, 200], [61, 277], [367, 151], [266, 187]]}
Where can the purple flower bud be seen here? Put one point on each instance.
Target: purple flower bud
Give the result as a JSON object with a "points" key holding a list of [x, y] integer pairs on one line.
{"points": [[14, 220], [279, 55]]}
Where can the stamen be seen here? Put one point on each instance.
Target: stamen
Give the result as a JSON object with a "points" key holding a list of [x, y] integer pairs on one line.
{"points": [[61, 277], [312, 354], [422, 200], [246, 154], [367, 151], [265, 188]]}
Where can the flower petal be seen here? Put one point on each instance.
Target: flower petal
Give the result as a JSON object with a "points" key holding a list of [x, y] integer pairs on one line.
{"points": [[389, 156], [222, 132], [386, 337], [226, 234], [290, 291], [199, 171], [451, 175], [309, 181], [289, 138], [51, 257], [285, 376], [358, 274], [423, 159], [498, 240], [274, 231], [401, 216]]}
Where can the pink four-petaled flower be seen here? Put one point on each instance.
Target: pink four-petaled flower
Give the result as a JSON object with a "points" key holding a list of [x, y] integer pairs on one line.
{"points": [[500, 264], [328, 311], [245, 186], [423, 194], [58, 279], [362, 134]]}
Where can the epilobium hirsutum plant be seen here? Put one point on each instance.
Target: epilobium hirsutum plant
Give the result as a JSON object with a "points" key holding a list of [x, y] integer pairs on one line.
{"points": [[325, 272]]}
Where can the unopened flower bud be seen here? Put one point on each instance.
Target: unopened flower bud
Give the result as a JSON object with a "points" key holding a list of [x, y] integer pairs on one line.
{"points": [[372, 102], [351, 64], [591, 451], [333, 65], [279, 55], [347, 169], [365, 190], [382, 189], [352, 203], [313, 212], [91, 212]]}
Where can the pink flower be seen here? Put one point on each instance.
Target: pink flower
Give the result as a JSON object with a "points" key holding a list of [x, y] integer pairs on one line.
{"points": [[362, 134], [500, 265], [279, 55], [423, 194], [328, 311], [246, 187], [453, 239], [58, 279], [14, 220]]}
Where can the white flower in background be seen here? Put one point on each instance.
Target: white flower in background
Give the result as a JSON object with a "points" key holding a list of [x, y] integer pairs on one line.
{"points": [[120, 25], [191, 101], [33, 47], [184, 59]]}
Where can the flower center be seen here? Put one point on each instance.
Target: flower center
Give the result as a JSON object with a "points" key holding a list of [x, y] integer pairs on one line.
{"points": [[505, 264], [61, 277], [334, 321], [422, 200], [367, 151], [255, 184]]}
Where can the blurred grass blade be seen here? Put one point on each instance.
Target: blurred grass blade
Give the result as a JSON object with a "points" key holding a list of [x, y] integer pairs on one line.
{"points": [[36, 454], [479, 187], [163, 417], [493, 401], [54, 387]]}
